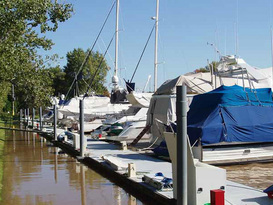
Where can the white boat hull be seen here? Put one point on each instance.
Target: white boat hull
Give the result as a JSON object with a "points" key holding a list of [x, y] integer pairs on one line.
{"points": [[234, 154]]}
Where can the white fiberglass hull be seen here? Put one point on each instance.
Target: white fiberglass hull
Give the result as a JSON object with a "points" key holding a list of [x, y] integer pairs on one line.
{"points": [[130, 132], [230, 154]]}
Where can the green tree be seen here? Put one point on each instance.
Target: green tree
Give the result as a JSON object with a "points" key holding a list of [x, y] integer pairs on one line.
{"points": [[206, 69], [5, 89], [58, 77], [34, 89], [214, 65], [202, 70], [24, 24], [95, 61]]}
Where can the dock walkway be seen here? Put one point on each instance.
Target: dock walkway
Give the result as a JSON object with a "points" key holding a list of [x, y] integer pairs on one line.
{"points": [[235, 193], [99, 151]]}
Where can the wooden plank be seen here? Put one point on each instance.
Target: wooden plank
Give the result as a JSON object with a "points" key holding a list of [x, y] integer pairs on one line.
{"points": [[143, 132]]}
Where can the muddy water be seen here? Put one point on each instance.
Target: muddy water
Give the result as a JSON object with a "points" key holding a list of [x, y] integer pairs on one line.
{"points": [[35, 173], [258, 175]]}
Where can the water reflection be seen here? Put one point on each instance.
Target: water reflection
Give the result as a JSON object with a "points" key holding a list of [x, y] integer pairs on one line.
{"points": [[56, 165], [83, 191], [37, 173]]}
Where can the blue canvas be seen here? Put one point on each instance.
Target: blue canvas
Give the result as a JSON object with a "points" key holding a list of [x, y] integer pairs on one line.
{"points": [[231, 114]]}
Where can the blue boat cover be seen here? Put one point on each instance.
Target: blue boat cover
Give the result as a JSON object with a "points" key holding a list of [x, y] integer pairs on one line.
{"points": [[231, 114], [162, 149]]}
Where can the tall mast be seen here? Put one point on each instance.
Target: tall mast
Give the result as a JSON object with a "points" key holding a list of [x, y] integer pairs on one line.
{"points": [[115, 77], [156, 42]]}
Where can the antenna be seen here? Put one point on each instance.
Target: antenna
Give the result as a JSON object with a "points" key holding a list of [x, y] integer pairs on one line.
{"points": [[225, 41], [211, 73], [148, 80], [156, 42], [215, 48], [236, 30]]}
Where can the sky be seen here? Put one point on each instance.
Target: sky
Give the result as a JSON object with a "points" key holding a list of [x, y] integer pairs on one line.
{"points": [[185, 27]]}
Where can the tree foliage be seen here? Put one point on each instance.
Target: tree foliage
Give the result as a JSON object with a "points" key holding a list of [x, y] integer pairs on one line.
{"points": [[207, 68], [58, 77], [24, 24], [95, 61], [5, 91]]}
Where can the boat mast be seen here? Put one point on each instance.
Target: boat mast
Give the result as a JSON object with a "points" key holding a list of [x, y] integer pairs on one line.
{"points": [[156, 42], [115, 77]]}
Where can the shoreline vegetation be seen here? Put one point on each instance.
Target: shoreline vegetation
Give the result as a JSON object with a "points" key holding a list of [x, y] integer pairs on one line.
{"points": [[2, 142]]}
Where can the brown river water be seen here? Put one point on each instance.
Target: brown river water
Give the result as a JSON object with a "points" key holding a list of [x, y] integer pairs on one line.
{"points": [[257, 175], [35, 173]]}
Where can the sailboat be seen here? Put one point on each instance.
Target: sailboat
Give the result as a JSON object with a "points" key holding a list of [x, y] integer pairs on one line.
{"points": [[139, 100], [97, 106], [143, 99]]}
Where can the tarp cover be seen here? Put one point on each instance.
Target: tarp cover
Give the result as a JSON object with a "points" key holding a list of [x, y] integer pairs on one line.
{"points": [[231, 114]]}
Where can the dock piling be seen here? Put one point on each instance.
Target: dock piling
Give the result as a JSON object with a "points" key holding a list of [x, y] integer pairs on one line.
{"points": [[27, 116], [124, 145], [40, 116], [82, 139], [181, 115], [55, 122], [131, 170], [21, 115], [33, 116]]}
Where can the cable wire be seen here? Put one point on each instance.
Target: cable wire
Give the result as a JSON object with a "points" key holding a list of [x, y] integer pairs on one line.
{"points": [[98, 68], [90, 51], [142, 53]]}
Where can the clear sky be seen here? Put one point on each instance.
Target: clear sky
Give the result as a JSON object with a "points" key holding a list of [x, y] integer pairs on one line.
{"points": [[185, 27]]}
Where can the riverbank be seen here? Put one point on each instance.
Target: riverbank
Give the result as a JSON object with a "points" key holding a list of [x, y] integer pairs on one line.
{"points": [[2, 138]]}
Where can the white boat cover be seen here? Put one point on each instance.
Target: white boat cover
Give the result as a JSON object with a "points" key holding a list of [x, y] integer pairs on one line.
{"points": [[139, 99], [94, 106], [95, 111], [162, 108], [228, 75]]}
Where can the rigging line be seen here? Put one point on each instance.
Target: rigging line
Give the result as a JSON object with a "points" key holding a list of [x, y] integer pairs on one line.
{"points": [[122, 19], [161, 44], [143, 52], [92, 80], [85, 82], [100, 49], [111, 59], [90, 51]]}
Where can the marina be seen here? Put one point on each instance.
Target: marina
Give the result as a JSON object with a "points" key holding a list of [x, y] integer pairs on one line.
{"points": [[138, 171], [85, 132], [98, 152]]}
